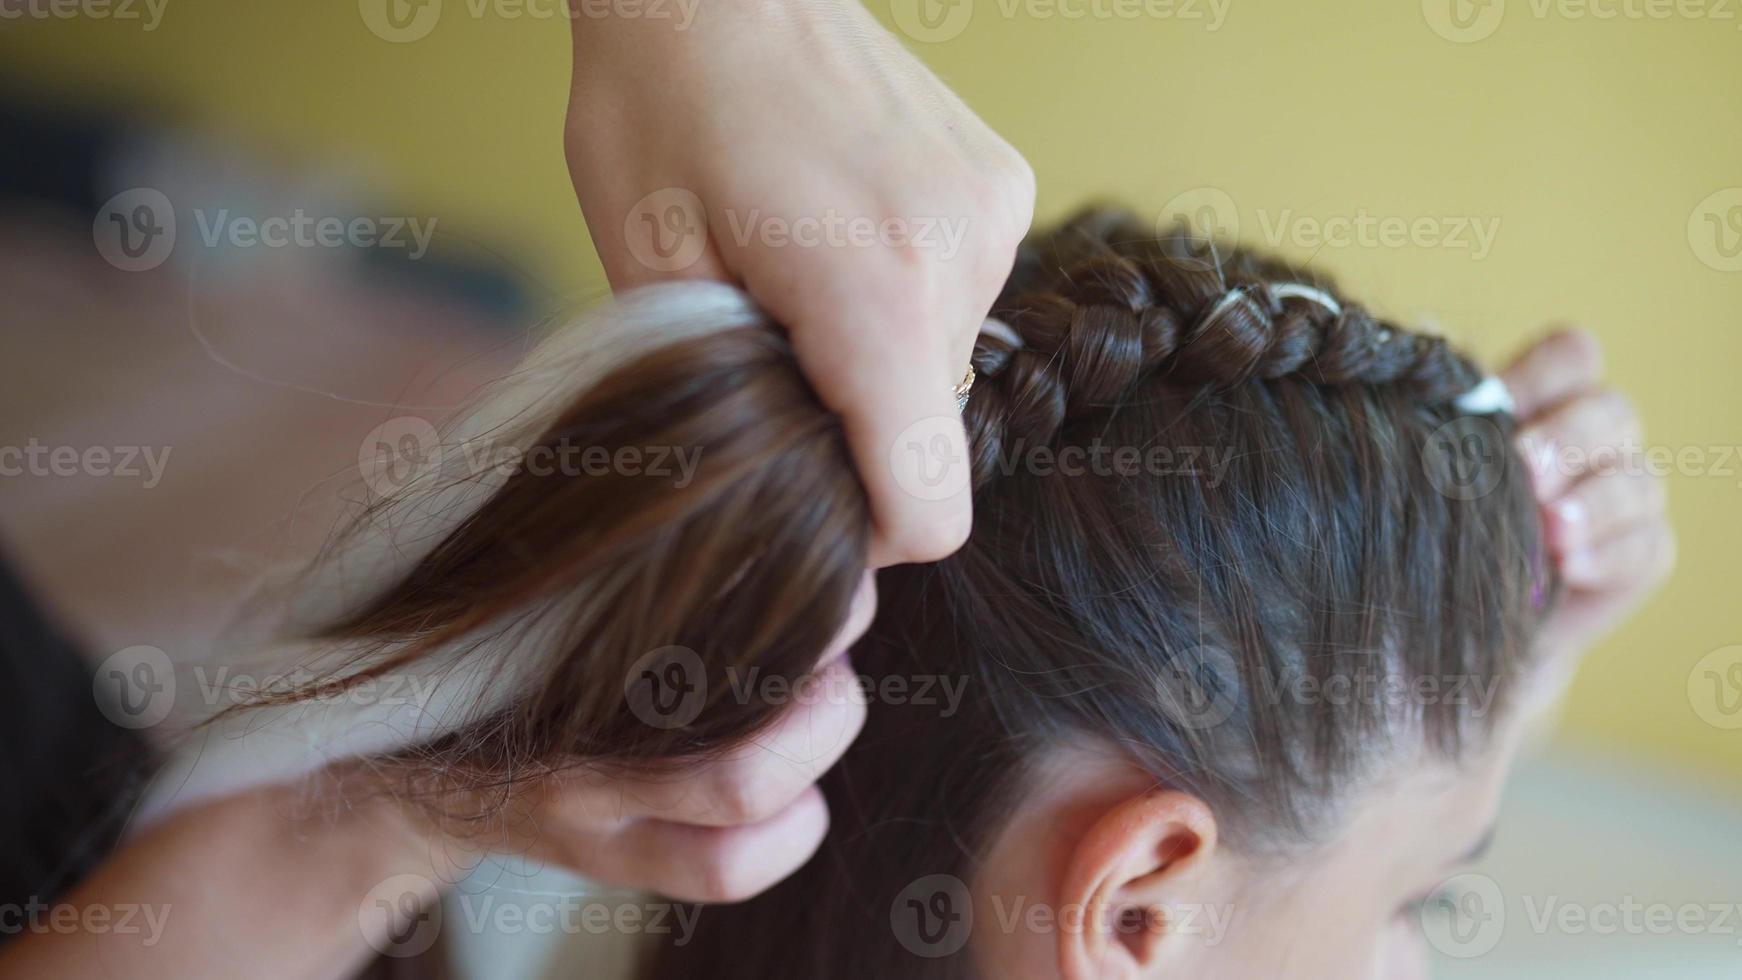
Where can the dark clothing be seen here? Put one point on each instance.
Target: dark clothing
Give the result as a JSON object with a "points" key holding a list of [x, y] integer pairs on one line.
{"points": [[67, 774]]}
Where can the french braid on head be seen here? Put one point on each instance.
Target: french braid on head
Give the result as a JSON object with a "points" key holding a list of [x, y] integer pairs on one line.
{"points": [[1104, 302]]}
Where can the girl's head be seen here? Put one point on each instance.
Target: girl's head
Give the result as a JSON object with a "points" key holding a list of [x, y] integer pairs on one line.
{"points": [[1219, 685], [1225, 678]]}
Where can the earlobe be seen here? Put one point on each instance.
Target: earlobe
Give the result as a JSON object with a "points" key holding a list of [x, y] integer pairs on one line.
{"points": [[1143, 855]]}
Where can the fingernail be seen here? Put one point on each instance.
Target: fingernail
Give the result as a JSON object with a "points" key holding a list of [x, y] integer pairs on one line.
{"points": [[1570, 518], [841, 658], [1542, 457], [1577, 565]]}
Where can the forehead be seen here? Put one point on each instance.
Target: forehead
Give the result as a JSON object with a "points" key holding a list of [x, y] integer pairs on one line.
{"points": [[1419, 822]]}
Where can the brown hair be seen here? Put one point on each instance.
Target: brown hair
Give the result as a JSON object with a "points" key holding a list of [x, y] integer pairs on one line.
{"points": [[1297, 526]]}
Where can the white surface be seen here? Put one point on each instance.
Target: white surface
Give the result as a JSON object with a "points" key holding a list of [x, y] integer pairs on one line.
{"points": [[1601, 843]]}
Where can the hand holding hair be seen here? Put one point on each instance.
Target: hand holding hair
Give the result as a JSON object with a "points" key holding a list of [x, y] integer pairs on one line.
{"points": [[1605, 517], [740, 138], [742, 111]]}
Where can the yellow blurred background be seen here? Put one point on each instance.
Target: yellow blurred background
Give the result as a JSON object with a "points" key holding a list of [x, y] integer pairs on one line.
{"points": [[1590, 148]]}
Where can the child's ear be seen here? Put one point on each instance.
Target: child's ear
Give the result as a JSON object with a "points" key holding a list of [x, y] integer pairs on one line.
{"points": [[1143, 855]]}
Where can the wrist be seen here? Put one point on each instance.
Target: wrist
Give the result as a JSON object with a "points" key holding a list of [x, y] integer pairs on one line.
{"points": [[391, 836], [372, 838], [609, 45]]}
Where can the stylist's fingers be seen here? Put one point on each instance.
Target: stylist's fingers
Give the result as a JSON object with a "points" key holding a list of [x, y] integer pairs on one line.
{"points": [[1602, 506], [1555, 368], [661, 236], [713, 864], [890, 379], [755, 780], [1635, 560], [1578, 436], [884, 337]]}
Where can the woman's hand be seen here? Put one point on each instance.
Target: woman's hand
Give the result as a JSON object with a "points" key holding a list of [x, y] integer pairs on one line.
{"points": [[798, 149], [719, 832], [1604, 512]]}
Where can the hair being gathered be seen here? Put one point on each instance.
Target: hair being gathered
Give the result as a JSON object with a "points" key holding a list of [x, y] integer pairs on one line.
{"points": [[1201, 480]]}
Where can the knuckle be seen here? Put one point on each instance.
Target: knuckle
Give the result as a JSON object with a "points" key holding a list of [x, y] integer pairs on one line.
{"points": [[908, 260], [1606, 417], [1617, 405], [1580, 349], [746, 794], [933, 535], [1020, 185], [727, 873], [994, 260], [999, 188]]}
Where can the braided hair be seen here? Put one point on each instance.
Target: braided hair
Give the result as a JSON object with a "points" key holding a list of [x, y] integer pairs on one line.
{"points": [[1102, 303]]}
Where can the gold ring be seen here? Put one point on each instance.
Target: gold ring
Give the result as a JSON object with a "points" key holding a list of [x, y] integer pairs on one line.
{"points": [[962, 389]]}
